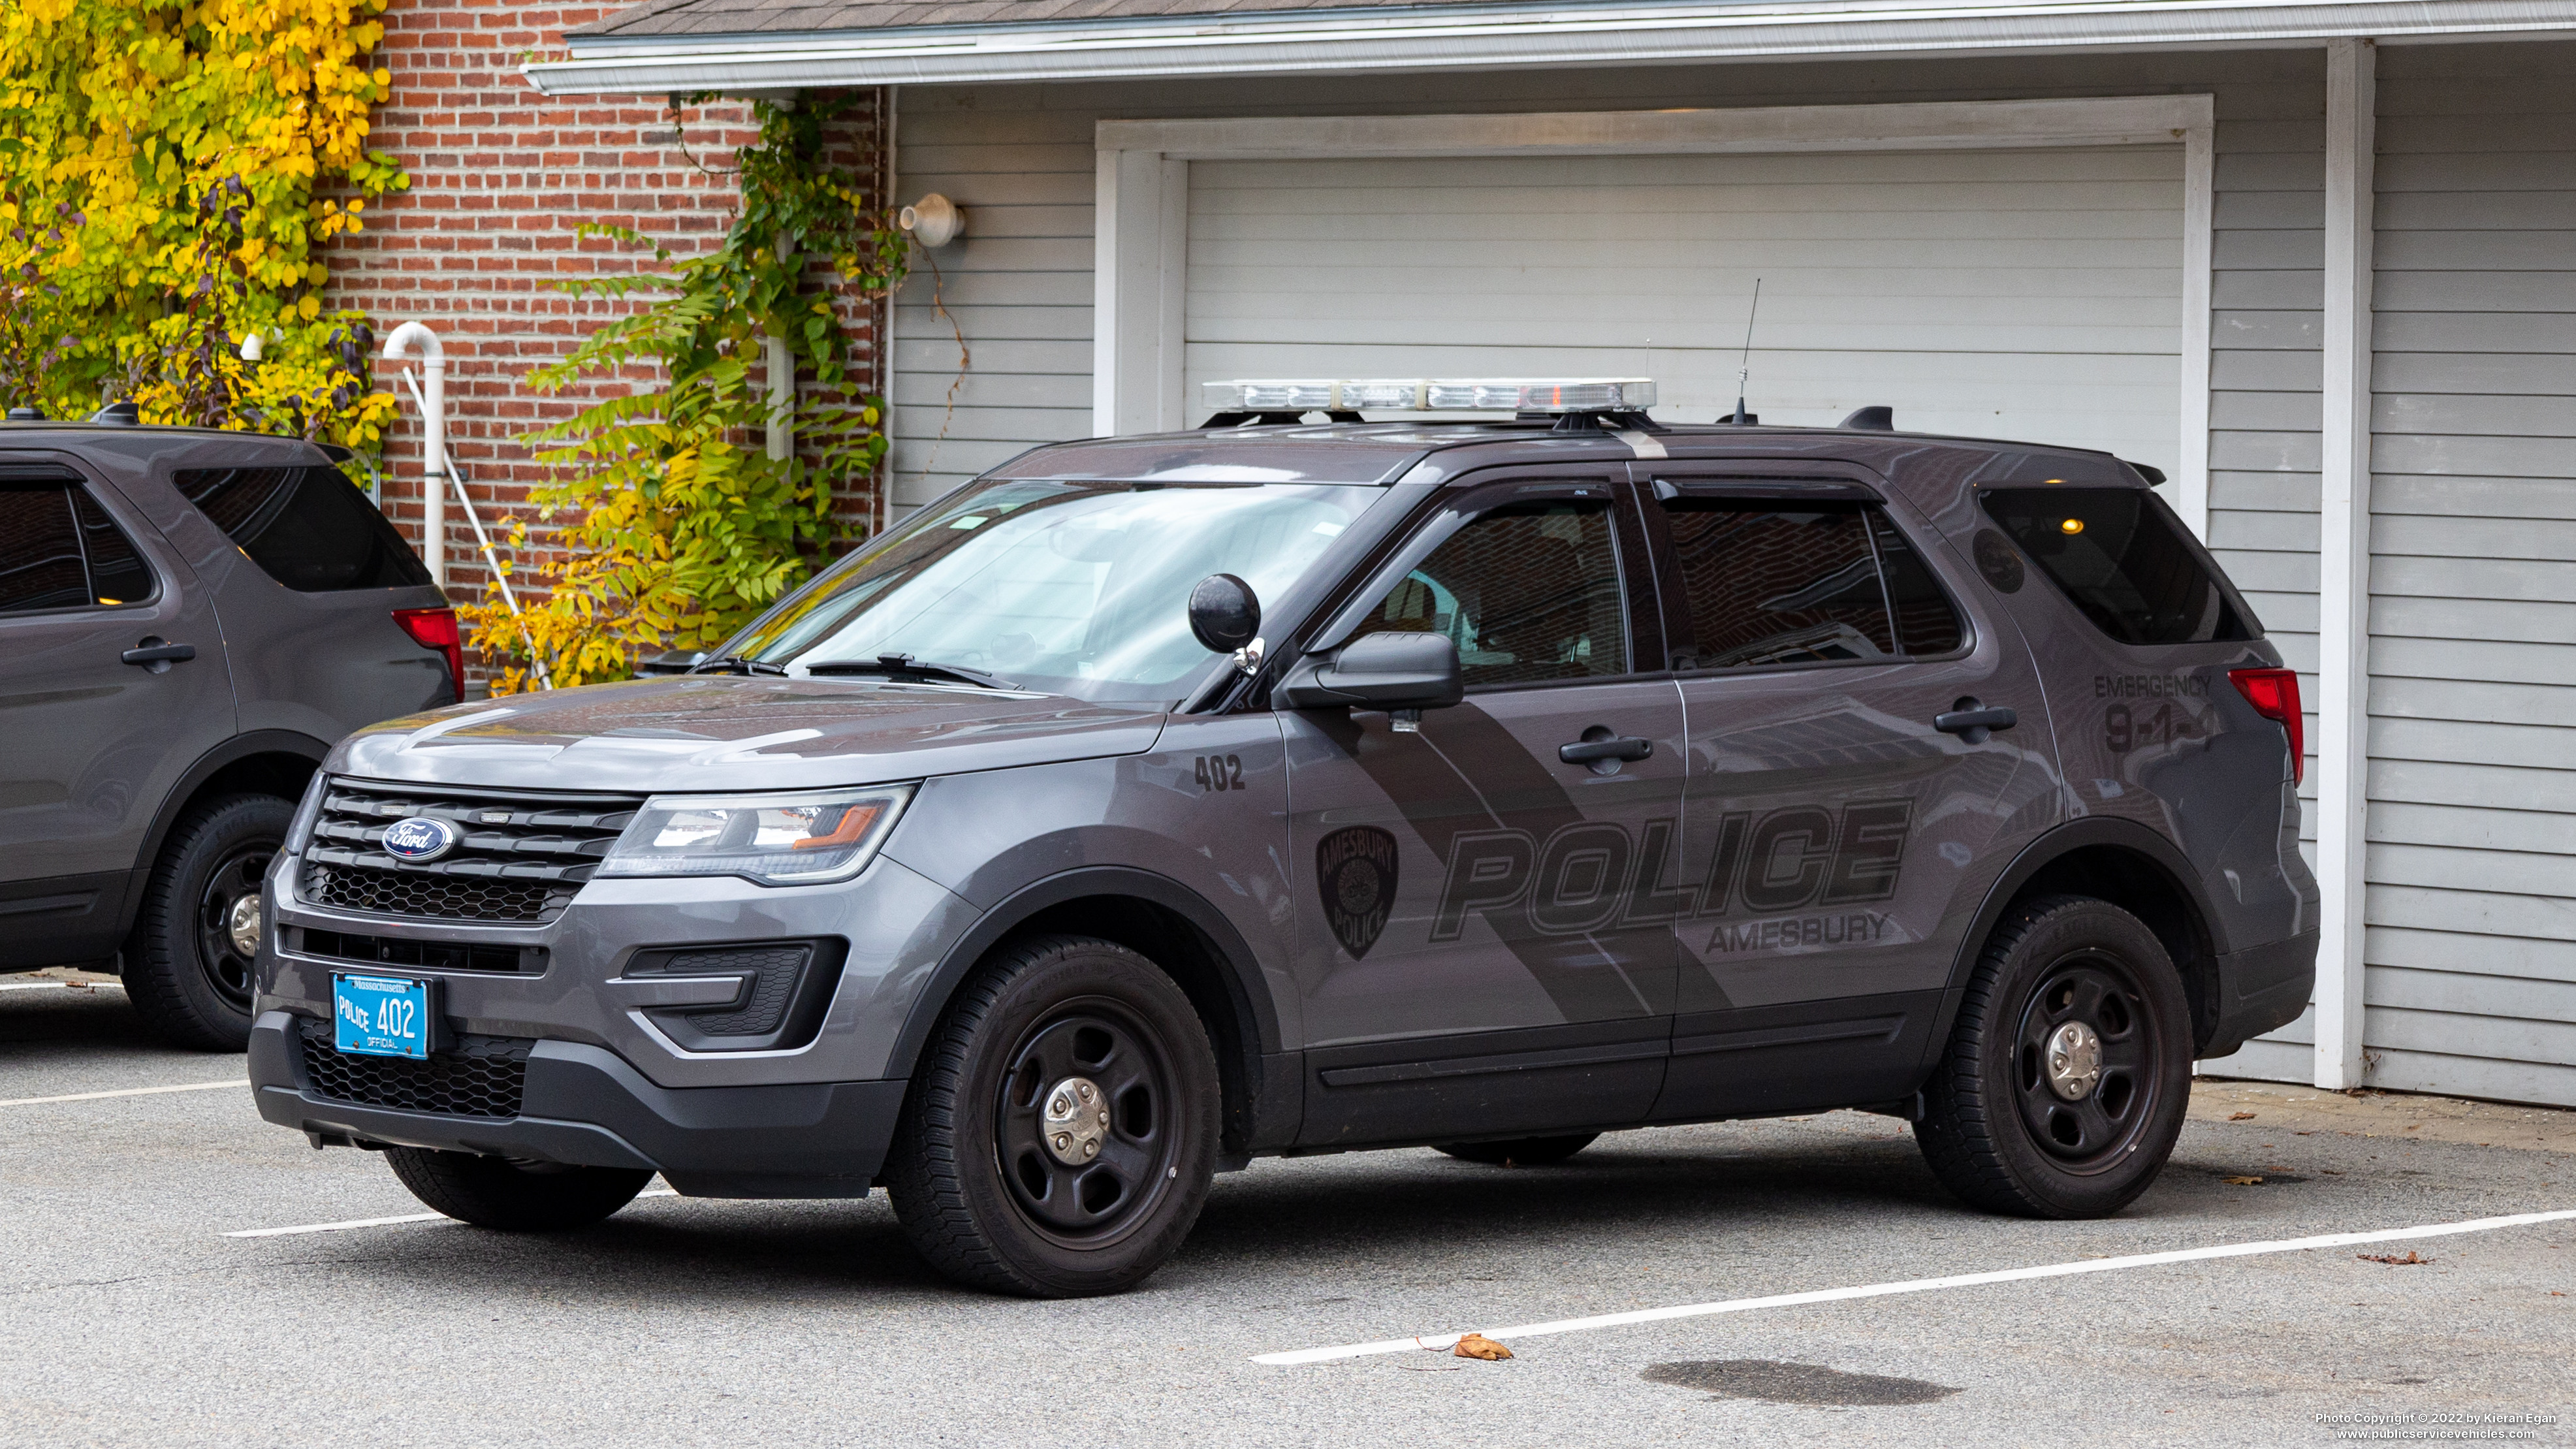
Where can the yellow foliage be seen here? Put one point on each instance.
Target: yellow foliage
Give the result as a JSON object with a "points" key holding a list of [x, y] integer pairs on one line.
{"points": [[158, 164]]}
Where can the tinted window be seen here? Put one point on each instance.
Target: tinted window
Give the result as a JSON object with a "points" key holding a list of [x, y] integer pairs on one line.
{"points": [[116, 572], [40, 558], [2123, 558], [1528, 594], [308, 528], [1926, 621], [1766, 582]]}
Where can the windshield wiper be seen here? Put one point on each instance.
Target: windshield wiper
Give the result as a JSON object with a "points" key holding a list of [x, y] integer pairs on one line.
{"points": [[905, 667], [736, 664]]}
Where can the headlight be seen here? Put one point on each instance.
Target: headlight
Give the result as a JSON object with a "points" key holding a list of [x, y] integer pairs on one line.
{"points": [[800, 839]]}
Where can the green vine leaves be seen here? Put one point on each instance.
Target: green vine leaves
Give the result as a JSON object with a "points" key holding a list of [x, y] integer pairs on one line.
{"points": [[676, 526]]}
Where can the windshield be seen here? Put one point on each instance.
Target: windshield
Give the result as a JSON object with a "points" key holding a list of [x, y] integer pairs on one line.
{"points": [[1075, 588]]}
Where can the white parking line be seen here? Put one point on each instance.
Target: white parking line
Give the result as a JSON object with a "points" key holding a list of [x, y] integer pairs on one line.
{"points": [[1913, 1285], [383, 1222], [242, 1082], [59, 985]]}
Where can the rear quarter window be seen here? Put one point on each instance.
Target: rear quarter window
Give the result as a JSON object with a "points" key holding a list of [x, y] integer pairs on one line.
{"points": [[2124, 560], [308, 528]]}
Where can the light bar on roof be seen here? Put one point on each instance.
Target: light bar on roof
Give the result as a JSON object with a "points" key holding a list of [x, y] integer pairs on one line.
{"points": [[1474, 394]]}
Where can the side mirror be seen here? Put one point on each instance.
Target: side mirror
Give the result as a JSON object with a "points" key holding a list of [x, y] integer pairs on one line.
{"points": [[1225, 615], [1401, 673]]}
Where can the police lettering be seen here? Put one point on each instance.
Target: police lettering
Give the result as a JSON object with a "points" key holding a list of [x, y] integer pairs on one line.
{"points": [[1592, 875]]}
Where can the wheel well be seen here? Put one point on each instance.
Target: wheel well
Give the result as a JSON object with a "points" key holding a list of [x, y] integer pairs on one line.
{"points": [[1197, 965], [2137, 884], [274, 773]]}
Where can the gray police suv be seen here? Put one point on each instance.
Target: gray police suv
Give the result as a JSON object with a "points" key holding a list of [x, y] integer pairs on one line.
{"points": [[1153, 804], [188, 620]]}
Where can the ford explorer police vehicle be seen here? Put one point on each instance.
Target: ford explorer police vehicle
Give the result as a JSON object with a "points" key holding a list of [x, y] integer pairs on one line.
{"points": [[1304, 783]]}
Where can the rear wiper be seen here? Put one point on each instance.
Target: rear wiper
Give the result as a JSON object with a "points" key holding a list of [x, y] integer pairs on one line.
{"points": [[735, 664], [905, 667]]}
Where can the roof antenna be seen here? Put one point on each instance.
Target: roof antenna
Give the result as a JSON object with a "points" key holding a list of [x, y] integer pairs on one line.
{"points": [[1744, 370]]}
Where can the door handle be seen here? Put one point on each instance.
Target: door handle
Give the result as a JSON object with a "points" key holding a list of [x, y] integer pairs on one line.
{"points": [[1593, 752], [156, 655], [1972, 721]]}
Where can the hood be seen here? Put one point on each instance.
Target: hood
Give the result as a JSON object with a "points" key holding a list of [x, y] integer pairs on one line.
{"points": [[726, 732]]}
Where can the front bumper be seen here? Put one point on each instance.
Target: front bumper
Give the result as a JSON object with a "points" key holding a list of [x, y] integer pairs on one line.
{"points": [[584, 1106], [2260, 988]]}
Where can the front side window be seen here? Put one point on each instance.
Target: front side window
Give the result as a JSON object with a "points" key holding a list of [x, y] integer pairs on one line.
{"points": [[308, 528], [60, 550], [1070, 587], [2122, 557], [1529, 594]]}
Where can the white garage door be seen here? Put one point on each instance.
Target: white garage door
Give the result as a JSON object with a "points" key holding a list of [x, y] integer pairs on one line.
{"points": [[2021, 294]]}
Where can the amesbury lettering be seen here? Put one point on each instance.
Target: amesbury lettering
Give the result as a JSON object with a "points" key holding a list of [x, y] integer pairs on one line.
{"points": [[1854, 928]]}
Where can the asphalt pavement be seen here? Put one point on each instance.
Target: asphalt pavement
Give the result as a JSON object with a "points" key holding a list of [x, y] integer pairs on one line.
{"points": [[132, 1318]]}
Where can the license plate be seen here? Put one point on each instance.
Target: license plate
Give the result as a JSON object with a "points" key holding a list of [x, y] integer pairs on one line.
{"points": [[380, 1016]]}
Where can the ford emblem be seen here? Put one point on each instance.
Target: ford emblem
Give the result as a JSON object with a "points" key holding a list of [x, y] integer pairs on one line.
{"points": [[420, 839]]}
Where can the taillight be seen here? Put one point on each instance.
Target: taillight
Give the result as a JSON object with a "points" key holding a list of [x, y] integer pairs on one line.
{"points": [[2274, 693], [436, 629]]}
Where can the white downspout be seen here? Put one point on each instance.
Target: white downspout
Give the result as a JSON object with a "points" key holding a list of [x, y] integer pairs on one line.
{"points": [[433, 441]]}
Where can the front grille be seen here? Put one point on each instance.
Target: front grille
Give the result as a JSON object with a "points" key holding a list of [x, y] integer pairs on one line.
{"points": [[522, 858], [432, 955], [483, 1076]]}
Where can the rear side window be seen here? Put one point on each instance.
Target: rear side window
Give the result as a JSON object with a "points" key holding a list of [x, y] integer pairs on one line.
{"points": [[1768, 582], [1529, 594], [59, 550], [2125, 561], [308, 528]]}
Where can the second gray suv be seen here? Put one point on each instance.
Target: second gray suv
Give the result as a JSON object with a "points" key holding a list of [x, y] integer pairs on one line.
{"points": [[1151, 805], [189, 620]]}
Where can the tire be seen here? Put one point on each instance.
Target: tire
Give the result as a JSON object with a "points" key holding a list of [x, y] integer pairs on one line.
{"points": [[980, 1178], [1520, 1151], [2010, 1132], [186, 975], [495, 1192]]}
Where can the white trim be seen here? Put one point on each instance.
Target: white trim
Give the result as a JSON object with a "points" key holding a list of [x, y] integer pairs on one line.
{"points": [[2342, 744], [2199, 170], [1140, 268], [1396, 38]]}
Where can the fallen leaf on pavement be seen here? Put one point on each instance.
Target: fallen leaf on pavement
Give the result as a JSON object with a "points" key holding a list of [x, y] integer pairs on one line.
{"points": [[2411, 1258], [2242, 1181], [1476, 1345], [2240, 1116]]}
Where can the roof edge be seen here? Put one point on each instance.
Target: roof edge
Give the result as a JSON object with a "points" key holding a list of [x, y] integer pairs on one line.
{"points": [[1507, 36]]}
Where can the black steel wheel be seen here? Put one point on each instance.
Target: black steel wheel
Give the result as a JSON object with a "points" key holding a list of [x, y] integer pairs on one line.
{"points": [[192, 963], [230, 920], [2062, 1090], [2085, 1064], [1061, 1129], [1083, 1124]]}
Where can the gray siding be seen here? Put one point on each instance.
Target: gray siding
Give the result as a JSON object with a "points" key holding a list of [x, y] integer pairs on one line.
{"points": [[1020, 159], [2472, 933], [2470, 952]]}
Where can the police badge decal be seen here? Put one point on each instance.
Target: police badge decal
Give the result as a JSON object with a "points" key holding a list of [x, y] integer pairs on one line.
{"points": [[1355, 874]]}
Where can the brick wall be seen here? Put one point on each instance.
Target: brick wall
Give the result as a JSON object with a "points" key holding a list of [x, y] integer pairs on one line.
{"points": [[501, 178]]}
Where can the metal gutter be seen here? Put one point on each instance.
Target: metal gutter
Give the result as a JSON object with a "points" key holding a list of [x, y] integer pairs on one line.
{"points": [[1510, 36]]}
